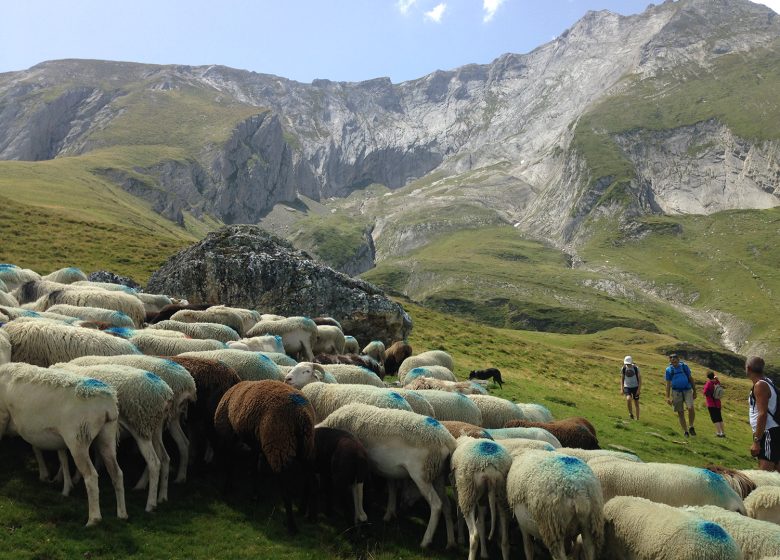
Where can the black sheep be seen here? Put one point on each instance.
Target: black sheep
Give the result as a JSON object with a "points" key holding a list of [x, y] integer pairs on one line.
{"points": [[489, 373]]}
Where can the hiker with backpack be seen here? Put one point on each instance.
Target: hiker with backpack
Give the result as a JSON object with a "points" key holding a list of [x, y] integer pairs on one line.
{"points": [[713, 393], [683, 392], [630, 385], [762, 413]]}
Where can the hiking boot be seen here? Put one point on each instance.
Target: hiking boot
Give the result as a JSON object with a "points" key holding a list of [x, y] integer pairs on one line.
{"points": [[631, 416], [685, 434], [692, 431]]}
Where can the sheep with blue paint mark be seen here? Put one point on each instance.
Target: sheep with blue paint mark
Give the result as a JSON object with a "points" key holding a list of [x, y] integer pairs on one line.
{"points": [[764, 503], [13, 276], [15, 313], [539, 434], [43, 343], [375, 349], [757, 539], [496, 412], [299, 335], [667, 483], [518, 446], [67, 275], [597, 455], [351, 345], [184, 392], [354, 375], [556, 498], [402, 444], [639, 529], [110, 286], [327, 397], [330, 340], [250, 366], [152, 345], [144, 403], [112, 318], [280, 358], [265, 343], [211, 331], [536, 412], [434, 372], [429, 358], [418, 403], [60, 411], [452, 406], [479, 469]]}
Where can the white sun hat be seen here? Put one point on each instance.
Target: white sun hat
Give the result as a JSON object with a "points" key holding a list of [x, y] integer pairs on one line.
{"points": [[628, 360]]}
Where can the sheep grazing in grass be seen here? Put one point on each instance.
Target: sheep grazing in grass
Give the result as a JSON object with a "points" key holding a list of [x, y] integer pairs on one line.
{"points": [[489, 373], [417, 402], [351, 345], [327, 398], [299, 335], [571, 432], [589, 455], [556, 498], [67, 275], [5, 347], [215, 314], [184, 393], [464, 387], [153, 303], [330, 340], [479, 469], [738, 480], [643, 530], [458, 429], [395, 356], [113, 318], [144, 402], [87, 297], [435, 372], [536, 412], [44, 343], [274, 419], [525, 433], [757, 539], [400, 445], [375, 349], [496, 412], [110, 286], [59, 411], [430, 358], [667, 483], [170, 310], [341, 462], [519, 445], [266, 343], [355, 375], [213, 331], [149, 343], [13, 276], [764, 503], [452, 406], [250, 366], [351, 359]]}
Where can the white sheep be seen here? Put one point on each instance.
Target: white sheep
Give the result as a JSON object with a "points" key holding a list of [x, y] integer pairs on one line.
{"points": [[93, 297], [153, 303], [330, 340], [429, 358], [536, 412], [329, 397], [265, 343], [436, 372], [597, 455], [177, 378], [5, 347], [149, 343], [465, 387], [757, 539], [250, 366], [355, 375], [351, 345], [555, 498], [60, 411], [213, 331], [764, 503], [539, 434], [110, 286], [43, 343], [19, 313], [496, 411], [214, 314], [479, 468], [8, 300], [375, 349], [521, 445], [305, 373], [113, 318], [403, 444], [667, 483], [144, 406], [763, 478], [280, 358], [639, 529], [418, 403], [67, 275], [452, 406], [298, 334], [13, 276]]}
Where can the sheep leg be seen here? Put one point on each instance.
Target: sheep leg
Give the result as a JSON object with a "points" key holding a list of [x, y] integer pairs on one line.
{"points": [[471, 523], [528, 544], [146, 447], [67, 484], [287, 482], [428, 492], [481, 531], [106, 446], [43, 470], [143, 482], [183, 445], [84, 464], [357, 498], [392, 499], [441, 490], [503, 527], [461, 522], [165, 463]]}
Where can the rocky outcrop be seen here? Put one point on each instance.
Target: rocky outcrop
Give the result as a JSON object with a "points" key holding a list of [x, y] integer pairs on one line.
{"points": [[248, 267]]}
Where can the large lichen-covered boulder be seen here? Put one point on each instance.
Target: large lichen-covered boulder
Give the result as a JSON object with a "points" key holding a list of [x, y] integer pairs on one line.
{"points": [[245, 266]]}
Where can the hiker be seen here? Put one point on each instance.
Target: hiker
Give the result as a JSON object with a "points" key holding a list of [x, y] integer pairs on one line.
{"points": [[713, 392], [630, 385], [763, 408], [683, 392]]}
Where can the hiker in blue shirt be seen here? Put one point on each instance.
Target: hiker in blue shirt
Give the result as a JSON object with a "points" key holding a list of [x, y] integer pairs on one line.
{"points": [[683, 391]]}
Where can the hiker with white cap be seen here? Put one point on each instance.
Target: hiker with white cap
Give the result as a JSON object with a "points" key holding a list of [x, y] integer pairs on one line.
{"points": [[631, 385]]}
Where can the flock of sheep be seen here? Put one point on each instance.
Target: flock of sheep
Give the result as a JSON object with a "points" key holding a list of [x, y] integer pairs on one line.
{"points": [[84, 365]]}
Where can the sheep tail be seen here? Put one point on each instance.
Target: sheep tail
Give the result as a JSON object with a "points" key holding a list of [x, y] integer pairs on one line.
{"points": [[492, 502]]}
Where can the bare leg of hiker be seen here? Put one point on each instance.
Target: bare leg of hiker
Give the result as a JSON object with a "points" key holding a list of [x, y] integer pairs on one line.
{"points": [[636, 404], [691, 417], [681, 418]]}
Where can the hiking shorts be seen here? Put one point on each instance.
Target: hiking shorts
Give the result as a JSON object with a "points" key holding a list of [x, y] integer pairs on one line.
{"points": [[682, 400], [631, 391], [770, 445], [715, 414]]}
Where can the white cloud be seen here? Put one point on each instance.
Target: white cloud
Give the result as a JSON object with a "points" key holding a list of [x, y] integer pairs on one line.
{"points": [[436, 13], [490, 7], [774, 4], [405, 5]]}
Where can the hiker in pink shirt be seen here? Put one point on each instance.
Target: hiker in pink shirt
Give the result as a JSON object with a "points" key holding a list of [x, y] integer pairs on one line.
{"points": [[713, 403]]}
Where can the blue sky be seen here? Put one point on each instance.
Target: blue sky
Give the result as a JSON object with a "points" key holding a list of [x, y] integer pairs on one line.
{"points": [[347, 40]]}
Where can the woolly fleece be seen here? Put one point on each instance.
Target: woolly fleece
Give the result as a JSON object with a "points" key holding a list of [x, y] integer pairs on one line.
{"points": [[354, 375], [536, 412], [327, 398], [496, 411], [151, 344], [250, 366], [525, 433], [473, 457], [417, 402], [452, 406], [213, 331], [764, 503], [113, 318], [83, 386], [67, 275], [430, 358], [757, 539]]}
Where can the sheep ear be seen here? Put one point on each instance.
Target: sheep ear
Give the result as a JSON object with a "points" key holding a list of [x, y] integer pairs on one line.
{"points": [[319, 371]]}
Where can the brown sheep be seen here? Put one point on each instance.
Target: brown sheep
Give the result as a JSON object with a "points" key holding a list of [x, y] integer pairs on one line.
{"points": [[276, 420], [571, 432], [457, 429], [395, 355]]}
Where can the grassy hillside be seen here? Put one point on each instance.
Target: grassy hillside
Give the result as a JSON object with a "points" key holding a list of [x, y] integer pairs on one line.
{"points": [[570, 374]]}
